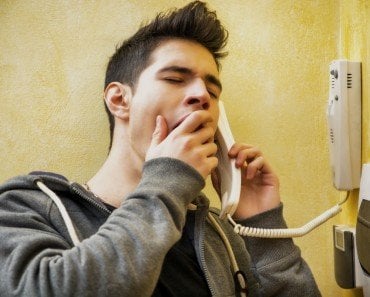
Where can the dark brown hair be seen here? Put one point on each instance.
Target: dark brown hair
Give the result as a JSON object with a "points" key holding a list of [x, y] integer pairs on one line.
{"points": [[193, 22]]}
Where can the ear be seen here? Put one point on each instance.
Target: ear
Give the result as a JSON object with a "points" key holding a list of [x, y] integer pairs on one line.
{"points": [[117, 97]]}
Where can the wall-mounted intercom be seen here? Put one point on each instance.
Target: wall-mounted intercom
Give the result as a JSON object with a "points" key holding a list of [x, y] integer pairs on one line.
{"points": [[344, 123], [351, 257]]}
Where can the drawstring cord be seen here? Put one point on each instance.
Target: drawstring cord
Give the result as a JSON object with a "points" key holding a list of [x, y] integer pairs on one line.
{"points": [[66, 218], [238, 274]]}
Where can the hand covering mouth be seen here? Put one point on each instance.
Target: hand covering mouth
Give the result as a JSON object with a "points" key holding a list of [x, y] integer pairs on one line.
{"points": [[178, 123]]}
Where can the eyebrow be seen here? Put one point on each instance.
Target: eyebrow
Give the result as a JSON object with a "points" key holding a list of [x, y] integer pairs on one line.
{"points": [[184, 70]]}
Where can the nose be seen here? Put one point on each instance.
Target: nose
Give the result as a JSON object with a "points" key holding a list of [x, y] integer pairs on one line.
{"points": [[198, 96]]}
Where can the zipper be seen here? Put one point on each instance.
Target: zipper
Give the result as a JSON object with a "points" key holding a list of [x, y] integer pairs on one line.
{"points": [[79, 192], [202, 258]]}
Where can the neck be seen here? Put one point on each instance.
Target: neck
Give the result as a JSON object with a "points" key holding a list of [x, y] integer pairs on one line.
{"points": [[119, 175]]}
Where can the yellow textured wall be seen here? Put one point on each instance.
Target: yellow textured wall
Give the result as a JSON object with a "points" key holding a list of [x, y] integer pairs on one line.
{"points": [[53, 55]]}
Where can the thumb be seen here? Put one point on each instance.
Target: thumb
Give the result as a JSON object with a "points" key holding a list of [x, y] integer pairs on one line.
{"points": [[160, 131], [159, 134]]}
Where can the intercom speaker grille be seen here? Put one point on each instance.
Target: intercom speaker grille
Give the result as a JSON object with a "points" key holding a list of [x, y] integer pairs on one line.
{"points": [[332, 82], [331, 136], [349, 80]]}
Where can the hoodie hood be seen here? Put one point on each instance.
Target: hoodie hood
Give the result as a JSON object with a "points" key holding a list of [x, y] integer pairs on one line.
{"points": [[53, 181], [53, 185]]}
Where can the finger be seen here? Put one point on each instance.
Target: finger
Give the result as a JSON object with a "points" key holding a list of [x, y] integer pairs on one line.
{"points": [[258, 165], [213, 162], [204, 135], [209, 149], [237, 147], [206, 157], [206, 150], [253, 167], [194, 121], [247, 155], [207, 166], [160, 131]]}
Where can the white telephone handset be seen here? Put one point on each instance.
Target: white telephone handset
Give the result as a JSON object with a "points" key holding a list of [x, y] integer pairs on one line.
{"points": [[231, 176], [231, 186]]}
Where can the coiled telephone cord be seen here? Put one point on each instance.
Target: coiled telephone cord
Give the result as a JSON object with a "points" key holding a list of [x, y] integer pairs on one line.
{"points": [[291, 232]]}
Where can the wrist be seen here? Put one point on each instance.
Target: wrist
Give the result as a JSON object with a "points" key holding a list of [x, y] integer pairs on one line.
{"points": [[249, 209]]}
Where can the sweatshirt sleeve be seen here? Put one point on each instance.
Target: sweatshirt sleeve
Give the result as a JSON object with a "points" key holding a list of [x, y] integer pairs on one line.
{"points": [[125, 256], [281, 269]]}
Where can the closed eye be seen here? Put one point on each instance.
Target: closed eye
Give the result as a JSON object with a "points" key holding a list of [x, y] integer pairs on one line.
{"points": [[173, 79], [213, 94]]}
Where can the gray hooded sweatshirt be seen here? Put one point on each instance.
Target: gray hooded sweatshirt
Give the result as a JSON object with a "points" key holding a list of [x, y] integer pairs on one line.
{"points": [[57, 239]]}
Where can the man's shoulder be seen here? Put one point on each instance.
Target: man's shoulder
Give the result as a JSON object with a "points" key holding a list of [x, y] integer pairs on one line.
{"points": [[48, 174], [54, 181]]}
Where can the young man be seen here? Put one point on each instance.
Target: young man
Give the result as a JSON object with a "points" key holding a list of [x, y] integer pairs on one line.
{"points": [[140, 226]]}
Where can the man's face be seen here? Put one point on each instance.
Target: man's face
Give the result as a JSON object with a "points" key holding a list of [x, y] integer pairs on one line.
{"points": [[182, 78]]}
